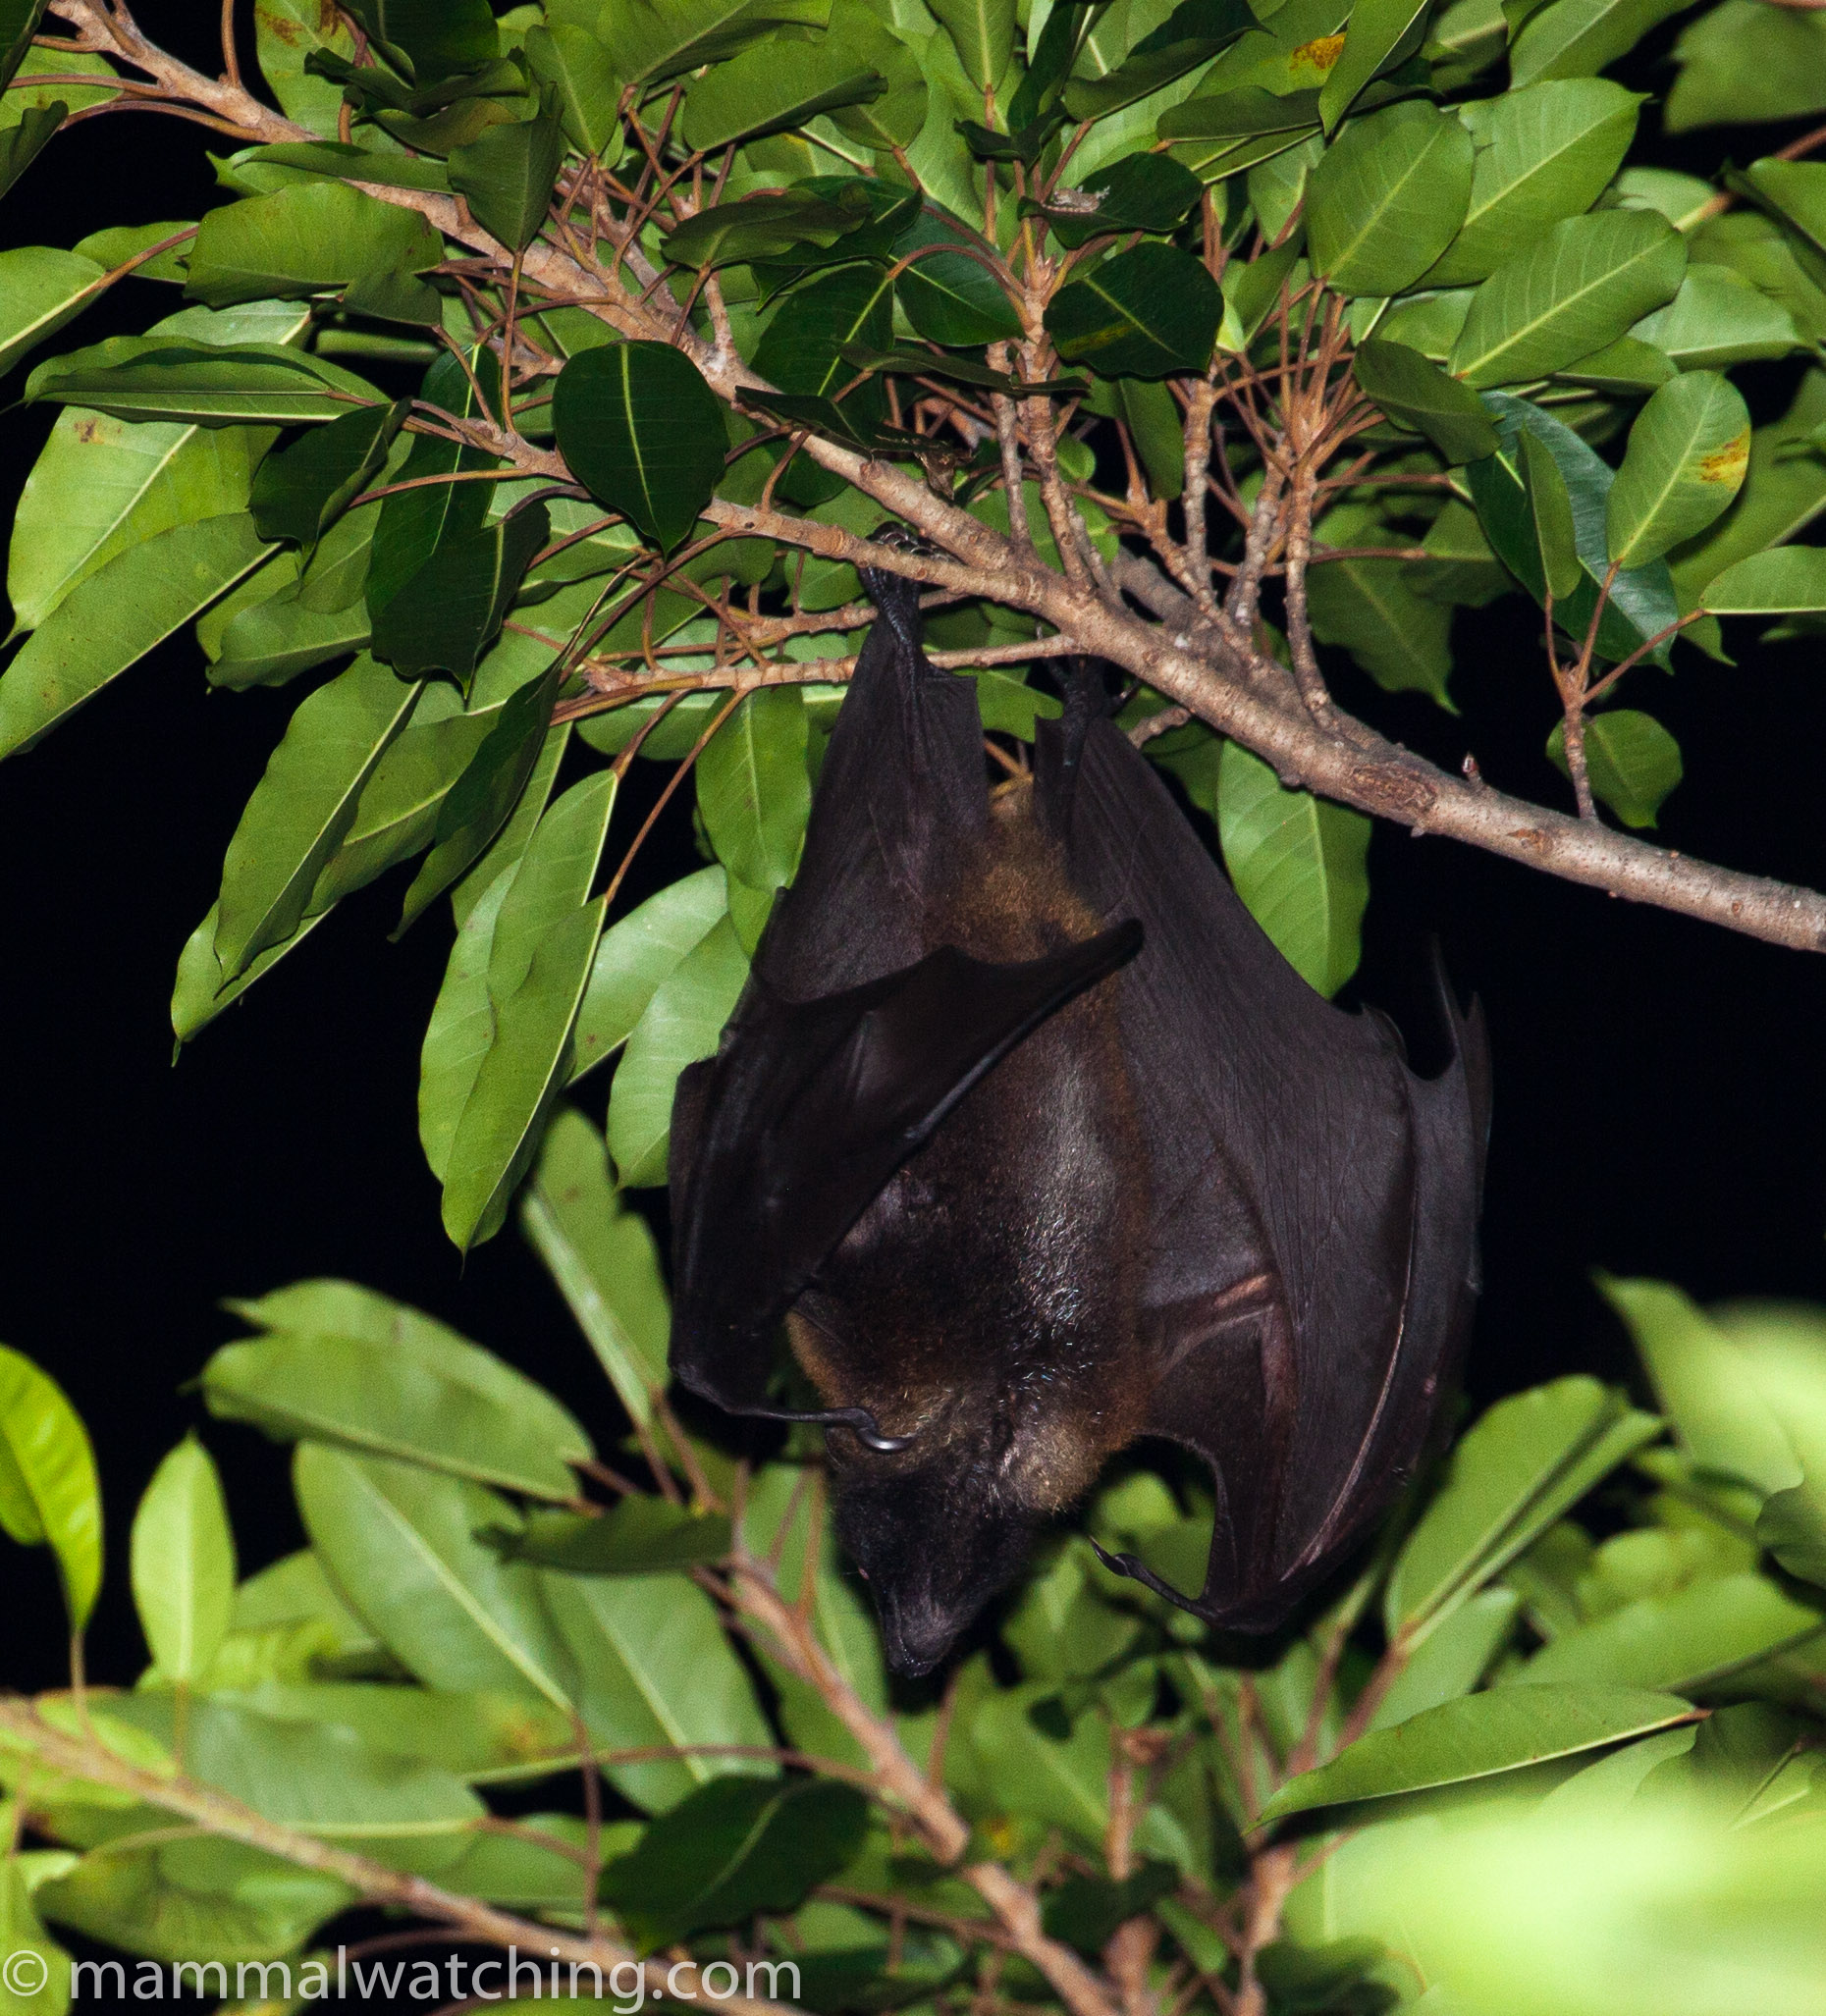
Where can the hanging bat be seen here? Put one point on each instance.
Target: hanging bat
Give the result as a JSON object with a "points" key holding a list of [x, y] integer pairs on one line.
{"points": [[1039, 1146]]}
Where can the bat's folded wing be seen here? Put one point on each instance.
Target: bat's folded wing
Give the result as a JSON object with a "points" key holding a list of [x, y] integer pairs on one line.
{"points": [[1314, 1203], [805, 1114]]}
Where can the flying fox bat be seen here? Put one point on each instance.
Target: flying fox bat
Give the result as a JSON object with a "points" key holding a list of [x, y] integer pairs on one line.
{"points": [[1040, 1147]]}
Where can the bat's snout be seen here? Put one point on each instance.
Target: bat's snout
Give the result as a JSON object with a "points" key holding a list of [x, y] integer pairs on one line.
{"points": [[917, 1636]]}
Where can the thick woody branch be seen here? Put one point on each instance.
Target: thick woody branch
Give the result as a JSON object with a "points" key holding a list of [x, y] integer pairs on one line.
{"points": [[215, 1814]]}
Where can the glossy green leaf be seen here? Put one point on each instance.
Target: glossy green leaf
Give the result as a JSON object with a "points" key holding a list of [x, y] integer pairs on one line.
{"points": [[305, 806], [1684, 1641], [1687, 454], [49, 1493], [664, 38], [41, 288], [1450, 1660], [1580, 38], [343, 1366], [803, 348], [1055, 1776], [681, 1025], [1578, 288], [1786, 580], [1298, 861], [1518, 1457], [1479, 1737], [983, 33], [398, 1544], [470, 1735], [1241, 113], [1632, 761], [115, 617], [20, 21], [1193, 33], [304, 240], [525, 1068], [565, 59], [1718, 319], [776, 224], [947, 295], [639, 426], [299, 491], [21, 144], [1388, 198], [286, 33], [731, 1849], [1544, 154], [1747, 61], [446, 614], [436, 38], [201, 990], [895, 118], [1373, 609], [634, 958], [658, 1674], [507, 175], [774, 86], [30, 1948], [1550, 514], [30, 91], [639, 1536], [1784, 490], [1414, 393], [1148, 312], [1794, 193], [602, 1256], [753, 789], [273, 641], [183, 1565], [1377, 30], [159, 378], [1138, 192]]}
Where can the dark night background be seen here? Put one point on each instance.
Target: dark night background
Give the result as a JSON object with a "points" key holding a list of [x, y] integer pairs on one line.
{"points": [[1660, 1085]]}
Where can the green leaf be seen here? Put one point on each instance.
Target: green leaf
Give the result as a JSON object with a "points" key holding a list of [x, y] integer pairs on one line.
{"points": [[1792, 1525], [1414, 393], [947, 295], [1580, 38], [304, 240], [775, 87], [286, 33], [523, 1071], [1373, 609], [297, 492], [1138, 192], [602, 1256], [640, 427], [25, 1942], [201, 990], [1085, 1910], [1239, 114], [1632, 761], [304, 807], [1745, 61], [431, 38], [508, 174], [1794, 193], [897, 118], [49, 1492], [1377, 32], [20, 21], [574, 63], [21, 144], [157, 378], [27, 92], [1575, 289], [1544, 154], [1717, 319], [1550, 511], [1703, 1383], [183, 1560], [982, 32], [472, 1735], [1298, 861], [414, 522], [754, 790], [776, 224], [1479, 1738], [1784, 490], [1388, 198], [803, 348], [1786, 580], [1060, 1781], [638, 1536], [271, 641], [449, 613], [344, 1366], [1687, 454], [40, 289], [1507, 1481], [681, 1025], [1450, 1661], [1150, 312], [730, 1849], [635, 957], [1686, 1640], [664, 38], [1147, 410], [398, 1543], [115, 617]]}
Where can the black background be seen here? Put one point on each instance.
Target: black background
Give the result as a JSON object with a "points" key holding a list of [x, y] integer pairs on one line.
{"points": [[1659, 1084]]}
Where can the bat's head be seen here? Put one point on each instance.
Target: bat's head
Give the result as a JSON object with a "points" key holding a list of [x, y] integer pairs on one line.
{"points": [[935, 1538]]}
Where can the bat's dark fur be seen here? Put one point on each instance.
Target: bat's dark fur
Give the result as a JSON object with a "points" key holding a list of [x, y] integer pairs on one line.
{"points": [[1040, 1147]]}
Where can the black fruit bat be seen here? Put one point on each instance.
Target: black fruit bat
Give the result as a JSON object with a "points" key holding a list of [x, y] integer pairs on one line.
{"points": [[1040, 1147]]}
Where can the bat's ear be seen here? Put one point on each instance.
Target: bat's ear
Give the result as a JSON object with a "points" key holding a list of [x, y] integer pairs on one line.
{"points": [[806, 1113]]}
